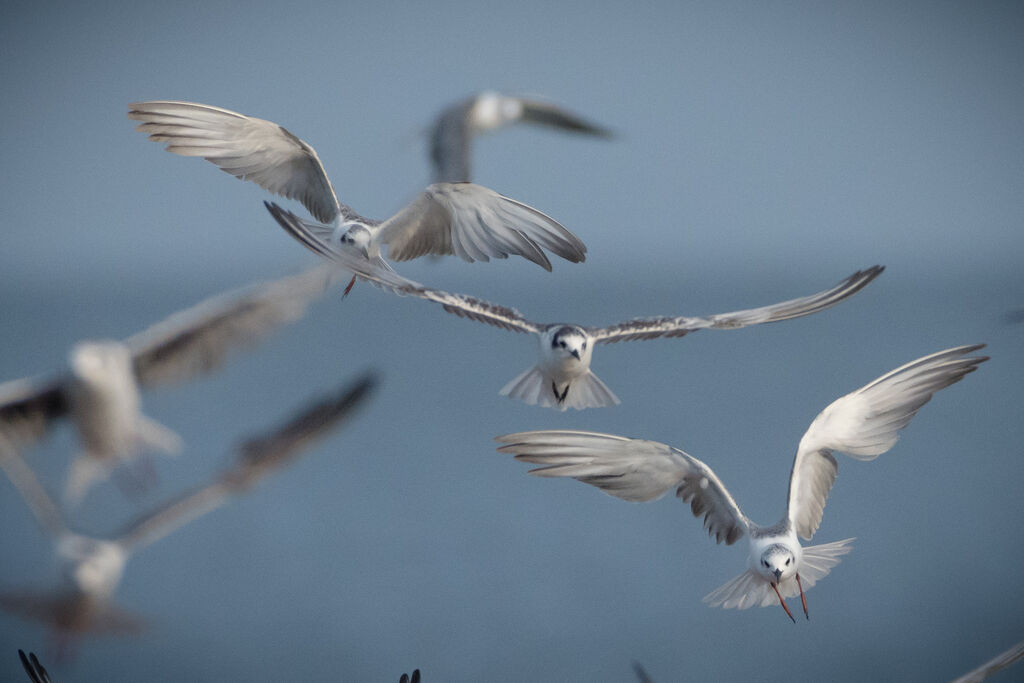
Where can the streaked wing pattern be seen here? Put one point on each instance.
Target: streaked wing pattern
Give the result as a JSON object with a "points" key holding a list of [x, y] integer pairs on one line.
{"points": [[632, 469], [652, 328], [458, 304], [476, 224], [246, 147]]}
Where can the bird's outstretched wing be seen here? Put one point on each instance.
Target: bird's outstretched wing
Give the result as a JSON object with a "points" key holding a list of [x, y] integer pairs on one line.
{"points": [[631, 469], [458, 304], [244, 146], [195, 341], [257, 457], [543, 113], [994, 665], [476, 224], [652, 328], [265, 453], [864, 424], [28, 407], [451, 142], [451, 138], [24, 479]]}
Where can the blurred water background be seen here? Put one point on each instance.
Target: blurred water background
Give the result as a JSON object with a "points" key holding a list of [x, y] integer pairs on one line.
{"points": [[763, 154]]}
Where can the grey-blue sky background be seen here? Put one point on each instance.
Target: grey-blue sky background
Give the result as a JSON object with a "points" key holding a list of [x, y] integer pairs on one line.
{"points": [[764, 153]]}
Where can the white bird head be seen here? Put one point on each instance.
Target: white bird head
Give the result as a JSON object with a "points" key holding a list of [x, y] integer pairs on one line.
{"points": [[778, 563], [493, 109], [354, 236], [569, 340], [97, 361], [91, 565]]}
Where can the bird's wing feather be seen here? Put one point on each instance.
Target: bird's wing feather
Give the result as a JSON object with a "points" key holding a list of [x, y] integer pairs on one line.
{"points": [[652, 328], [994, 665], [544, 113], [631, 469], [257, 457], [265, 453], [476, 224], [458, 304], [29, 406], [24, 479], [449, 143], [195, 341], [746, 590], [864, 424], [244, 146]]}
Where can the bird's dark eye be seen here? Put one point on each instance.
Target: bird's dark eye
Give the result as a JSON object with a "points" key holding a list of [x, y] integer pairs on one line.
{"points": [[562, 344], [787, 562]]}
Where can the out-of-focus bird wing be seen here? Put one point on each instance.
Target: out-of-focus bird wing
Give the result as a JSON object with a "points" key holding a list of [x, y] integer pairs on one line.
{"points": [[257, 457], [24, 479], [195, 341], [29, 406], [994, 665], [450, 143]]}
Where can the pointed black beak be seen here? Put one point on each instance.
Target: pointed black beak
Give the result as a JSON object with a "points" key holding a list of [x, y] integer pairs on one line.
{"points": [[576, 353], [778, 574]]}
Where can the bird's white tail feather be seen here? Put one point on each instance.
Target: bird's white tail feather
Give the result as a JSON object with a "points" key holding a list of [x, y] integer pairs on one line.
{"points": [[85, 470], [153, 435], [535, 388], [750, 589]]}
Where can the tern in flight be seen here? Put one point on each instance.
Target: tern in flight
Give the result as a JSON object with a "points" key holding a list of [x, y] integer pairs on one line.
{"points": [[100, 391], [470, 221], [562, 377], [451, 138], [863, 424], [91, 568]]}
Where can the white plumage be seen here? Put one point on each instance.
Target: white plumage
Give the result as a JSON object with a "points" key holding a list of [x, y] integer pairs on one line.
{"points": [[864, 423]]}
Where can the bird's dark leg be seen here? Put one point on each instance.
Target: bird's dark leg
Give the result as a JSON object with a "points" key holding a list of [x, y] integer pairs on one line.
{"points": [[803, 600], [560, 397], [349, 287], [783, 602]]}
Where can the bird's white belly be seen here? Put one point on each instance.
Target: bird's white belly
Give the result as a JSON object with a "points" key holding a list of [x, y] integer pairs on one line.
{"points": [[106, 418]]}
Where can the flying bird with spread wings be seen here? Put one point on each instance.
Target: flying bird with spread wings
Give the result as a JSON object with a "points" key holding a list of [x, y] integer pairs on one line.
{"points": [[100, 391], [863, 424], [470, 221], [562, 377], [92, 568], [451, 137]]}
